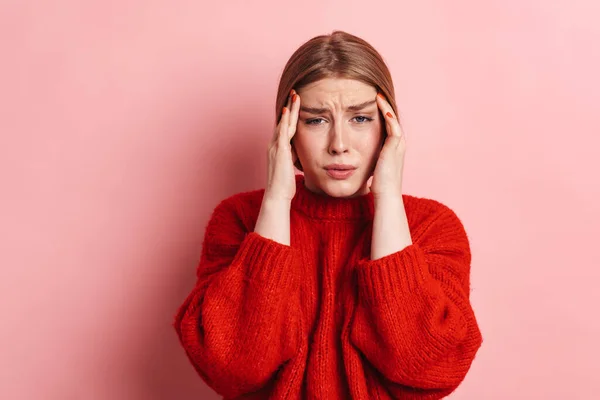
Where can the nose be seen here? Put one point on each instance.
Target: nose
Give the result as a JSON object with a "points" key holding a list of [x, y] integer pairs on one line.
{"points": [[338, 142]]}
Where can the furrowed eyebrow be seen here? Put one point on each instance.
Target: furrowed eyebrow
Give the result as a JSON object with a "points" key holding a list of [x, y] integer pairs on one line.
{"points": [[356, 107]]}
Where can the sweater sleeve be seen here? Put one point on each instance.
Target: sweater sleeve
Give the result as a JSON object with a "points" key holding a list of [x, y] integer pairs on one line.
{"points": [[414, 322], [240, 322]]}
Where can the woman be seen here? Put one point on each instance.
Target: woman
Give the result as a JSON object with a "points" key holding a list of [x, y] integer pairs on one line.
{"points": [[332, 285]]}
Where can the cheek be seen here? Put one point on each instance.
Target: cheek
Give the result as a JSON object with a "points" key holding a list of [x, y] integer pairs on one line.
{"points": [[372, 141], [301, 145], [305, 142]]}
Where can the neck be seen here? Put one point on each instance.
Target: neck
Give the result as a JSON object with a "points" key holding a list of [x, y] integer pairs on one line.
{"points": [[323, 206]]}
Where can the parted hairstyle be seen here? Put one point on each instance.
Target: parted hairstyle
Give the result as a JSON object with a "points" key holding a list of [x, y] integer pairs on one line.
{"points": [[337, 55]]}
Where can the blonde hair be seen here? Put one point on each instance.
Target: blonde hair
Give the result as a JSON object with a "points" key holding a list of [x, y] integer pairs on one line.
{"points": [[337, 55]]}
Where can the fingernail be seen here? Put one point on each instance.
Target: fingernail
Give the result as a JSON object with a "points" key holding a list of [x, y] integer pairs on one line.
{"points": [[292, 92], [389, 114], [380, 95], [294, 97], [284, 110]]}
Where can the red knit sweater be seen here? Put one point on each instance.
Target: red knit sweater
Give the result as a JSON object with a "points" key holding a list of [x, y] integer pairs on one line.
{"points": [[318, 319]]}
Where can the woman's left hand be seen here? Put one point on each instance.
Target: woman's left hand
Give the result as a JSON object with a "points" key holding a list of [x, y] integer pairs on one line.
{"points": [[387, 177]]}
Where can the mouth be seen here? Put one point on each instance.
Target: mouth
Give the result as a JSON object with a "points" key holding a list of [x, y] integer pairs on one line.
{"points": [[340, 167], [340, 171]]}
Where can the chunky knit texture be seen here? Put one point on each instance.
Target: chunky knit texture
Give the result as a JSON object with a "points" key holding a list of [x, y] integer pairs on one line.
{"points": [[319, 319]]}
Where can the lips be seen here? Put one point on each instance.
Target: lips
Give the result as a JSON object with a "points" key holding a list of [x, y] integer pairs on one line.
{"points": [[340, 167], [340, 171]]}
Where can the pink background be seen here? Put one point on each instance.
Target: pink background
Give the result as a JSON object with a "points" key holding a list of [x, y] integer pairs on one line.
{"points": [[123, 123]]}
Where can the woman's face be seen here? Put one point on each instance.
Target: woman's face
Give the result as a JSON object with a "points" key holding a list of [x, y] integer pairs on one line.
{"points": [[330, 131]]}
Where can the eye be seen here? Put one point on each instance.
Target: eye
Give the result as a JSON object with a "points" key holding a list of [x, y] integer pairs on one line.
{"points": [[361, 120], [364, 119], [313, 121]]}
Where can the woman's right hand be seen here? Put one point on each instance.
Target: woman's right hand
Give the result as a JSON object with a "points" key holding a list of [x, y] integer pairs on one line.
{"points": [[281, 178]]}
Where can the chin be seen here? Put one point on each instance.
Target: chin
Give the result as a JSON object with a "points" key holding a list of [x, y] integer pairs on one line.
{"points": [[342, 188]]}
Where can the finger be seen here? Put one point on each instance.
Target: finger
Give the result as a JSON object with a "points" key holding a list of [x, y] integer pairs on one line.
{"points": [[276, 129], [288, 109], [280, 124], [391, 121], [285, 125], [294, 111]]}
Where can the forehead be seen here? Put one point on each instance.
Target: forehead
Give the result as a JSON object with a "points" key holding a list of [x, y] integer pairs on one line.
{"points": [[339, 90]]}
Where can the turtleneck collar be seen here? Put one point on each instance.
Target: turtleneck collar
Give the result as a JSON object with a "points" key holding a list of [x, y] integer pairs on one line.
{"points": [[323, 206]]}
